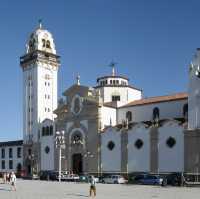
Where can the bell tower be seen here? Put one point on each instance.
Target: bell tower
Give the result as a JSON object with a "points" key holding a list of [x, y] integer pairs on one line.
{"points": [[194, 92], [40, 65]]}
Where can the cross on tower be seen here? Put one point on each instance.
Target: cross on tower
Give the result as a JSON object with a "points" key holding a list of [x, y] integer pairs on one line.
{"points": [[78, 79], [40, 23], [113, 65]]}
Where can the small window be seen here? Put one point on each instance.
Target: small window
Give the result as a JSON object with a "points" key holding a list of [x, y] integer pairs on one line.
{"points": [[43, 43], [115, 98], [171, 142], [43, 131], [129, 116], [47, 130], [48, 44], [139, 143], [47, 149], [106, 82], [10, 153], [117, 81], [10, 164], [29, 152], [3, 166], [156, 113], [110, 81], [77, 138], [51, 130], [2, 153], [19, 152], [185, 111], [111, 145]]}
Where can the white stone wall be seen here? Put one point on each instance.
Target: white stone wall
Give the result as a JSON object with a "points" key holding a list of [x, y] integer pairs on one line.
{"points": [[15, 159], [194, 93], [40, 96], [168, 110], [107, 115], [138, 159], [171, 159], [111, 159], [47, 159], [127, 94]]}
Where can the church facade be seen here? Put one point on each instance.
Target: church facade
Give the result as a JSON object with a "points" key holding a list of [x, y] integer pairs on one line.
{"points": [[108, 127]]}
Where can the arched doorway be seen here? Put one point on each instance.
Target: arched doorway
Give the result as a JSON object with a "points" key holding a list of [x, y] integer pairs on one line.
{"points": [[29, 169], [77, 163], [19, 169]]}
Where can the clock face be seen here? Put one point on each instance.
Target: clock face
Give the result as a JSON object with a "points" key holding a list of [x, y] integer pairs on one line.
{"points": [[76, 105]]}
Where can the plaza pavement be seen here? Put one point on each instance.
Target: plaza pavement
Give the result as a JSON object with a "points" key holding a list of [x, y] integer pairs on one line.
{"points": [[27, 189]]}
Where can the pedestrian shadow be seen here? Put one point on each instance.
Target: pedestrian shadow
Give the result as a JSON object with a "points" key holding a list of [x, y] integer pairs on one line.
{"points": [[3, 189], [79, 195]]}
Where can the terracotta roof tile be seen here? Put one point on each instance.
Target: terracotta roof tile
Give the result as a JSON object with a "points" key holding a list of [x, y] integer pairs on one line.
{"points": [[111, 104], [159, 99]]}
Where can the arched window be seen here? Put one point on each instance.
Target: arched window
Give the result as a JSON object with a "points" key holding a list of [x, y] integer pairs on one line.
{"points": [[185, 111], [19, 168], [43, 43], [156, 113], [129, 116], [48, 44], [47, 130], [51, 130], [77, 138], [43, 131]]}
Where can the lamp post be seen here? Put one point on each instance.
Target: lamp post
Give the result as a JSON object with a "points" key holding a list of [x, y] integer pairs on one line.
{"points": [[60, 144]]}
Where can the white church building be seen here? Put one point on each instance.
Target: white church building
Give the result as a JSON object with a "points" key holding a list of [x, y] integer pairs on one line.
{"points": [[109, 127]]}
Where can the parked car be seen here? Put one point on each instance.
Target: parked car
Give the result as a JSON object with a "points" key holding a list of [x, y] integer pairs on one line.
{"points": [[48, 175], [70, 177], [87, 178], [114, 179], [96, 179], [136, 179], [150, 180], [174, 179]]}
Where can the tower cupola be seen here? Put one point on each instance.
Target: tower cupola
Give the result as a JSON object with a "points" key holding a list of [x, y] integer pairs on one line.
{"points": [[41, 40]]}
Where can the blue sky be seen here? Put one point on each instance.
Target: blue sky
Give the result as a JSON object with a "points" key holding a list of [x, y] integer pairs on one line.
{"points": [[152, 42]]}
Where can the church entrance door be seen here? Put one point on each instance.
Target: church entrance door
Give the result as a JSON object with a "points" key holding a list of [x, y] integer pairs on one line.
{"points": [[77, 163]]}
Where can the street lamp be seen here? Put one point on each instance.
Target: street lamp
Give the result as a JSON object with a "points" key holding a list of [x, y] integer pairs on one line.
{"points": [[60, 144]]}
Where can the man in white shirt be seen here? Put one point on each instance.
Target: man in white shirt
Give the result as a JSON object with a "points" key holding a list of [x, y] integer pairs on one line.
{"points": [[13, 180]]}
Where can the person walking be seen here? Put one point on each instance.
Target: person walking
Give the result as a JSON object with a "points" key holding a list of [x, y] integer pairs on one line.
{"points": [[4, 178], [92, 186], [7, 177], [13, 180]]}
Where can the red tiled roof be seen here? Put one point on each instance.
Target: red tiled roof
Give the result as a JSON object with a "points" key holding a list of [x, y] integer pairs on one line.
{"points": [[111, 104], [151, 100]]}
